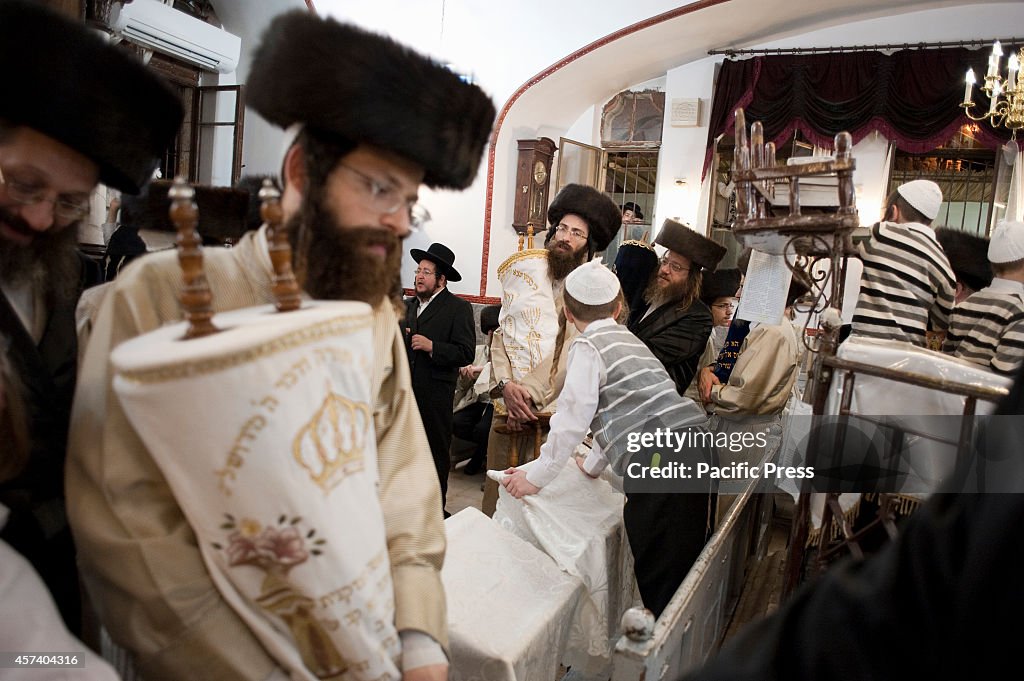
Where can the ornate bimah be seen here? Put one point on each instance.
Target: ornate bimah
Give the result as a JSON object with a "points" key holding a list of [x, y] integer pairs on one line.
{"points": [[807, 241], [263, 427]]}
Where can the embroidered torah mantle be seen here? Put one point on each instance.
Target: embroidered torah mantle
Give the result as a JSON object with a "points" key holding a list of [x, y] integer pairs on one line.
{"points": [[527, 319], [265, 433]]}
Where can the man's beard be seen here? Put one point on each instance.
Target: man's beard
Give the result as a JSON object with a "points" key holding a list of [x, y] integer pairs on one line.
{"points": [[332, 262], [655, 295], [49, 258], [427, 294], [561, 261]]}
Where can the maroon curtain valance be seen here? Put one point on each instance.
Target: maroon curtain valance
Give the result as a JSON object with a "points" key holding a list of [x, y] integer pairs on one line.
{"points": [[910, 96]]}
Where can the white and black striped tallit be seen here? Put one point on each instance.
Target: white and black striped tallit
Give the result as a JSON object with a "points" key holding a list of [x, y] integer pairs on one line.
{"points": [[908, 285], [988, 327], [637, 395]]}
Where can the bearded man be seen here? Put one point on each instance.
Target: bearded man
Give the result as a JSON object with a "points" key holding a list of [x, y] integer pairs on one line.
{"points": [[582, 222], [673, 322], [76, 113], [439, 339], [357, 157]]}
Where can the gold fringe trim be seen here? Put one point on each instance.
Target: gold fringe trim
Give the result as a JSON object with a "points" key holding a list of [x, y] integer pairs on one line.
{"points": [[637, 242], [521, 255], [304, 336]]}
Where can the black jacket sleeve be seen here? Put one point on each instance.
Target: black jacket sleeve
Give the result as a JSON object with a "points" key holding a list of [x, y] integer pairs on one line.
{"points": [[458, 350]]}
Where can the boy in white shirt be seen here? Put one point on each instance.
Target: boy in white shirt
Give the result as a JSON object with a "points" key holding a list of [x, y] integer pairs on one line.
{"points": [[616, 389]]}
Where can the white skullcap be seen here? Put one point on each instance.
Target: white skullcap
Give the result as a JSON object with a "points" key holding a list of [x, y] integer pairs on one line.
{"points": [[592, 283], [924, 195], [1007, 242]]}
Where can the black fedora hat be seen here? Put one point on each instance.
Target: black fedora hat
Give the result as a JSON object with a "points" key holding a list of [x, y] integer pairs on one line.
{"points": [[440, 255], [637, 213]]}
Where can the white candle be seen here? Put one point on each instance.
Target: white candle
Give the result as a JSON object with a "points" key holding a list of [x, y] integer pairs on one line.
{"points": [[996, 91], [993, 61], [969, 86], [1013, 65]]}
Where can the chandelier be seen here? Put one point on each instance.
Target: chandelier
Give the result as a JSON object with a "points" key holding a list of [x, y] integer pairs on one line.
{"points": [[1006, 95]]}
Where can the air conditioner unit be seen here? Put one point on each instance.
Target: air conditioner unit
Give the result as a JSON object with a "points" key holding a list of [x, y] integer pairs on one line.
{"points": [[162, 28]]}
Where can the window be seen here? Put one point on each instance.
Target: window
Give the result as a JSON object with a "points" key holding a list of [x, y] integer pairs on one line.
{"points": [[974, 181]]}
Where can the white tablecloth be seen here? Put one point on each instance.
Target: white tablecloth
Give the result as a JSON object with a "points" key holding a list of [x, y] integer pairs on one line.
{"points": [[510, 607], [578, 522]]}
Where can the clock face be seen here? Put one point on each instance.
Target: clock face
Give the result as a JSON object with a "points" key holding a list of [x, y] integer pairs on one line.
{"points": [[540, 173]]}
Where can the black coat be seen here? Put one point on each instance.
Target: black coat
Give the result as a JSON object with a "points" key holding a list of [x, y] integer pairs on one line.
{"points": [[448, 322], [676, 337], [47, 374]]}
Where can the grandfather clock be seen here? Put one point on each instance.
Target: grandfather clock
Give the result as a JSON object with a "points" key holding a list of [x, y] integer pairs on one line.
{"points": [[533, 175]]}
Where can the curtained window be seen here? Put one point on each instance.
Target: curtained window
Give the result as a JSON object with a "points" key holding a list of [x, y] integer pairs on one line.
{"points": [[910, 96]]}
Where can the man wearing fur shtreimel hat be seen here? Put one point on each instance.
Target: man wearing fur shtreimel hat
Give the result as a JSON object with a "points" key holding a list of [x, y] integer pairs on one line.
{"points": [[988, 327], [908, 287], [582, 222], [75, 112], [368, 122], [673, 322]]}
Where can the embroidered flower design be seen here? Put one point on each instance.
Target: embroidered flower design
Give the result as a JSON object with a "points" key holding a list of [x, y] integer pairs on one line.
{"points": [[242, 550], [275, 548], [249, 527], [285, 546]]}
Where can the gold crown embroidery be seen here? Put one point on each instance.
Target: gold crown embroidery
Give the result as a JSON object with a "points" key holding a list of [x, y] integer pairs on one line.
{"points": [[331, 446]]}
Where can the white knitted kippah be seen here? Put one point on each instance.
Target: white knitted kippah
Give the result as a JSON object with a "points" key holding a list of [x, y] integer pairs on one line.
{"points": [[1007, 242], [592, 283], [924, 195]]}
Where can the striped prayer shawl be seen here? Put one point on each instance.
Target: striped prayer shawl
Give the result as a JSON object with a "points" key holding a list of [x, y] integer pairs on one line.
{"points": [[907, 283], [637, 393], [988, 329]]}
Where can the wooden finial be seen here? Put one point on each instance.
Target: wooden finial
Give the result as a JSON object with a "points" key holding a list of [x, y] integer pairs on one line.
{"points": [[196, 298], [286, 289], [529, 235]]}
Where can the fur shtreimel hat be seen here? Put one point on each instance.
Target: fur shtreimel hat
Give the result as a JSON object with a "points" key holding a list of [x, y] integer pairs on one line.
{"points": [[686, 242], [222, 210], [600, 213], [366, 88], [62, 80], [720, 284], [967, 255]]}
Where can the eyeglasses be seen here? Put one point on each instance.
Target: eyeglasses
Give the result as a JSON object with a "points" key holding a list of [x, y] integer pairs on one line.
{"points": [[387, 199], [423, 270], [28, 194], [674, 266], [575, 233], [725, 306]]}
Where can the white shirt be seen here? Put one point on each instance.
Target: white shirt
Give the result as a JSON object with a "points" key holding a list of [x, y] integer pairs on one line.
{"points": [[22, 298], [29, 622], [577, 405], [423, 305]]}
